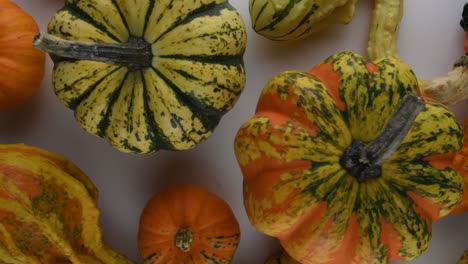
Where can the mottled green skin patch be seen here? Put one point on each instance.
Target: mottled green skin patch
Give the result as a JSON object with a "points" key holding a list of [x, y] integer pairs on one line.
{"points": [[196, 76], [289, 154], [296, 19]]}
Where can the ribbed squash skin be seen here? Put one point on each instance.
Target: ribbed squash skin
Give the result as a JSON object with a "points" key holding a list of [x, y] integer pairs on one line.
{"points": [[48, 211], [295, 188], [196, 76], [21, 66], [297, 19], [216, 232]]}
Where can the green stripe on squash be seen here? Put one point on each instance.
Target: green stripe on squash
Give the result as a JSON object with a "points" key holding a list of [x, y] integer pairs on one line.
{"points": [[193, 75], [296, 19], [329, 199]]}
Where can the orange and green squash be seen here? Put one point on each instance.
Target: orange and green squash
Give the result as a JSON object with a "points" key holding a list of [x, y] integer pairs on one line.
{"points": [[347, 163], [48, 211], [21, 65], [460, 162], [187, 224], [147, 75]]}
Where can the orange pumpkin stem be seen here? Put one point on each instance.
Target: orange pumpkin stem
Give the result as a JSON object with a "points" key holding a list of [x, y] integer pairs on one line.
{"points": [[135, 54], [184, 239], [364, 160]]}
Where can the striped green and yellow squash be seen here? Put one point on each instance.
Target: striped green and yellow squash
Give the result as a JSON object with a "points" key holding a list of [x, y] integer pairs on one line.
{"points": [[48, 211], [146, 74], [296, 19], [347, 163]]}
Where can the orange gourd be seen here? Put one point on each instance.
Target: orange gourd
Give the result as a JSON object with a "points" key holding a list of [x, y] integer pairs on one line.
{"points": [[461, 164], [21, 65], [48, 211], [187, 224]]}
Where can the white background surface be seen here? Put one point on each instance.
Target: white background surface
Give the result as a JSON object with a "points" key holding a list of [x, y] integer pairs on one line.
{"points": [[430, 41]]}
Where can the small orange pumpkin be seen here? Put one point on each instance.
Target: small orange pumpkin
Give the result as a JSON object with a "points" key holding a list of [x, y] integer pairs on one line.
{"points": [[21, 65], [461, 164], [187, 224]]}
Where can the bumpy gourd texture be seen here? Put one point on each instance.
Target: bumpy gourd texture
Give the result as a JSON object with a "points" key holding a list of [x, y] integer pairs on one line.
{"points": [[295, 188], [196, 76], [48, 211], [297, 19], [460, 162]]}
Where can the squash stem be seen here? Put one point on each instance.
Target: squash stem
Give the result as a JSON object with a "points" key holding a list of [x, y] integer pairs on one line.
{"points": [[384, 28], [184, 239], [135, 54], [364, 160]]}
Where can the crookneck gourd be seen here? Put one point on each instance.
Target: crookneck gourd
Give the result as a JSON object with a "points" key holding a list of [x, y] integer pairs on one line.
{"points": [[448, 89], [21, 65], [452, 87], [297, 19], [48, 211], [147, 75], [347, 163], [187, 224]]}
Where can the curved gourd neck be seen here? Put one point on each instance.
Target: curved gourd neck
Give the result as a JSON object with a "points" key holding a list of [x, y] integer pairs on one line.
{"points": [[135, 54], [384, 29], [364, 160]]}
